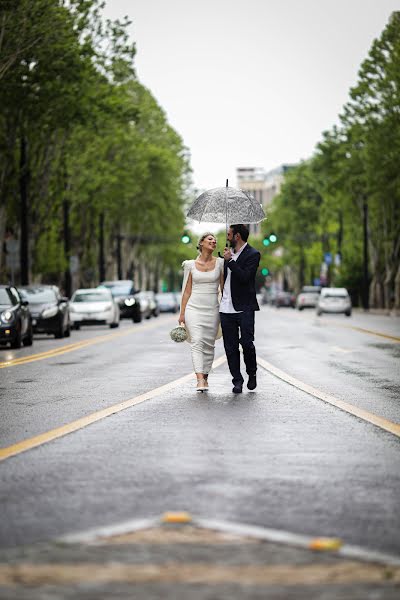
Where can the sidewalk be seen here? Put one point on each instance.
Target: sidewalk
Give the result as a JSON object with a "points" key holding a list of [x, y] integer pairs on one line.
{"points": [[163, 559]]}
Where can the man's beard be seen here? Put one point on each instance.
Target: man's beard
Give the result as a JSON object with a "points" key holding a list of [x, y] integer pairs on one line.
{"points": [[233, 243]]}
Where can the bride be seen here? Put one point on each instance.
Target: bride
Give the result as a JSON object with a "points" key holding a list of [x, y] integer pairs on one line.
{"points": [[202, 279]]}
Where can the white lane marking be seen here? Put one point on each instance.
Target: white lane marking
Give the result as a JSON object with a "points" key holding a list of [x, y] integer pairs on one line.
{"points": [[381, 422]]}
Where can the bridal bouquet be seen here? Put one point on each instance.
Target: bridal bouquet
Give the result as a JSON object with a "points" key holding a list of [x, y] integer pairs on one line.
{"points": [[178, 334]]}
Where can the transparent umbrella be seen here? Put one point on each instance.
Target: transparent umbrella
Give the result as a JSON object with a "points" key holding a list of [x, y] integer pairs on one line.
{"points": [[226, 205]]}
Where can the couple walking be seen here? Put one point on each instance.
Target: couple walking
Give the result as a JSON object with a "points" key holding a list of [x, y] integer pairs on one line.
{"points": [[204, 316]]}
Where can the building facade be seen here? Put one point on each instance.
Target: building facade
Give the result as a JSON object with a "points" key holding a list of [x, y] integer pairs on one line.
{"points": [[262, 185]]}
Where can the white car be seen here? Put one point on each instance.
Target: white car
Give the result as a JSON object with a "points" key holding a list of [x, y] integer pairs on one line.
{"points": [[308, 297], [334, 300], [93, 307]]}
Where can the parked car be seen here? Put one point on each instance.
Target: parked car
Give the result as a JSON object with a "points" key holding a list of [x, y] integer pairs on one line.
{"points": [[15, 318], [149, 304], [94, 306], [308, 297], [125, 294], [49, 309], [285, 299], [334, 300], [167, 302]]}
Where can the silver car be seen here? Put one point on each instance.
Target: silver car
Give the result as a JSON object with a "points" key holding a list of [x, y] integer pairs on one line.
{"points": [[334, 300], [93, 306], [308, 297]]}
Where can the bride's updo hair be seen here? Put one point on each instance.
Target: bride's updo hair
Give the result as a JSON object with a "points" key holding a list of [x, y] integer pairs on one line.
{"points": [[203, 237]]}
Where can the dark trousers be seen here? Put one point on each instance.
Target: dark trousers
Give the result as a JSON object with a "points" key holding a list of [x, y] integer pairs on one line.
{"points": [[231, 324]]}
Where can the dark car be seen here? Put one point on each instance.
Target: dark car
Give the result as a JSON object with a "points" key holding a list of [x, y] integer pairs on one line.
{"points": [[15, 318], [167, 302], [285, 299], [49, 309], [125, 294]]}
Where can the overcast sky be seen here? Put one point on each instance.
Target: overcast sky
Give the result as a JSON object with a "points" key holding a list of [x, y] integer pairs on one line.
{"points": [[250, 82]]}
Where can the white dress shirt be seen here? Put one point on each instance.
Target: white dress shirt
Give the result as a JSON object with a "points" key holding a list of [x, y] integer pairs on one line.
{"points": [[226, 305]]}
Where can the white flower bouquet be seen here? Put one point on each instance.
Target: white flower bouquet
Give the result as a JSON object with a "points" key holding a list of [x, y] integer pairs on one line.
{"points": [[178, 334]]}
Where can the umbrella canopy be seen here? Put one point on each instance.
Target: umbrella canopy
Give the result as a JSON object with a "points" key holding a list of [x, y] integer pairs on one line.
{"points": [[226, 205]]}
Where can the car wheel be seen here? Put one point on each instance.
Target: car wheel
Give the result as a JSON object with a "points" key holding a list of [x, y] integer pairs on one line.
{"points": [[148, 316], [76, 326], [60, 331], [319, 313], [137, 318], [16, 343], [348, 313], [114, 325], [300, 308], [28, 341], [67, 332]]}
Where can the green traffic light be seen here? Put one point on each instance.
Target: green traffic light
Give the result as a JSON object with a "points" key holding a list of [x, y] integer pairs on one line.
{"points": [[185, 238], [273, 238], [266, 242], [265, 271]]}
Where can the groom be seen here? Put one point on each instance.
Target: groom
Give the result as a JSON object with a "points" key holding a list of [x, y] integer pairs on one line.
{"points": [[238, 305]]}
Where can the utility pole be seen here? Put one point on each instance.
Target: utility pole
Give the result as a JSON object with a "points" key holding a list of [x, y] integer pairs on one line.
{"points": [[365, 290]]}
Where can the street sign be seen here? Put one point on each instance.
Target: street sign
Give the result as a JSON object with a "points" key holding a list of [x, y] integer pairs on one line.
{"points": [[328, 258], [317, 281]]}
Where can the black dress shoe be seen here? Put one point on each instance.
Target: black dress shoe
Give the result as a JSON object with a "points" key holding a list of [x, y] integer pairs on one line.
{"points": [[237, 389], [252, 382]]}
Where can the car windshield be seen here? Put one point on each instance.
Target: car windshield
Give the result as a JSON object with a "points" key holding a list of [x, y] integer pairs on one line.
{"points": [[91, 297], [308, 289], [5, 298], [119, 290], [39, 295]]}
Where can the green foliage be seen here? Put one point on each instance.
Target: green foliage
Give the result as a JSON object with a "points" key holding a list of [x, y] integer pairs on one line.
{"points": [[320, 207], [99, 145]]}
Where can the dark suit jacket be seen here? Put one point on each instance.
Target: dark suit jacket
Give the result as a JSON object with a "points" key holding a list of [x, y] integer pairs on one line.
{"points": [[243, 279]]}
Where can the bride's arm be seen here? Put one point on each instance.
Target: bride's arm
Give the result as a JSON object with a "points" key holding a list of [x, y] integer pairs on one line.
{"points": [[185, 298]]}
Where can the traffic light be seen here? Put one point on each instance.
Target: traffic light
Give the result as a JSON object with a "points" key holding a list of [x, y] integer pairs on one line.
{"points": [[185, 239], [265, 271], [270, 239]]}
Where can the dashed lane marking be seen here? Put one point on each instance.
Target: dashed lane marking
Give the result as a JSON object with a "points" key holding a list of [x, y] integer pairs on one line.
{"points": [[75, 346], [381, 422], [54, 434]]}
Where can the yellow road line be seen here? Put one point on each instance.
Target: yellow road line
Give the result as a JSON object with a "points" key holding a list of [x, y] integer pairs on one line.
{"points": [[393, 338], [381, 422], [54, 434], [72, 347]]}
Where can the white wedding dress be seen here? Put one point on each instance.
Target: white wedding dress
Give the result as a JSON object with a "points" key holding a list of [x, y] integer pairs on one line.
{"points": [[202, 313]]}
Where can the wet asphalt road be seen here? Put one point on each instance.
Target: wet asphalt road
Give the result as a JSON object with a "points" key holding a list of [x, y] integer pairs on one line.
{"points": [[277, 457]]}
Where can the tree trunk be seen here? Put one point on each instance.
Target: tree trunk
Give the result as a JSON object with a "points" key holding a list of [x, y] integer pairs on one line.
{"points": [[102, 268], [365, 297], [397, 292], [24, 217]]}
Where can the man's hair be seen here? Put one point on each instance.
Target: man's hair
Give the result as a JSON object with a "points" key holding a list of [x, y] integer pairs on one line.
{"points": [[242, 230]]}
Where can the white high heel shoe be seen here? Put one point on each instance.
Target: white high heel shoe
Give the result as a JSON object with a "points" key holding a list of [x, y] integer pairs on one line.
{"points": [[202, 385]]}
